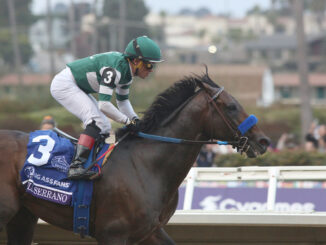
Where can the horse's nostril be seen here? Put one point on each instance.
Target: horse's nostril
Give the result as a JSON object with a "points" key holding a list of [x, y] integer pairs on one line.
{"points": [[265, 141]]}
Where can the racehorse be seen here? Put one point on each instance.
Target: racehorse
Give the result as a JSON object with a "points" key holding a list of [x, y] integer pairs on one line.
{"points": [[138, 191]]}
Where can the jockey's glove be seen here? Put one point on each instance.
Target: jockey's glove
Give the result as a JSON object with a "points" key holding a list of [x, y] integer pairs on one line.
{"points": [[133, 126]]}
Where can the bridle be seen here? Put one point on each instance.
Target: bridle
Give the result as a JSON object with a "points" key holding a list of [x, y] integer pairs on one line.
{"points": [[240, 143]]}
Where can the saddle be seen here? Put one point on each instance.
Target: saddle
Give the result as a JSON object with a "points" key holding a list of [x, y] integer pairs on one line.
{"points": [[109, 139]]}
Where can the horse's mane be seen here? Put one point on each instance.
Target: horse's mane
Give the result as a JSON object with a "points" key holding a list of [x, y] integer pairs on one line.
{"points": [[167, 101]]}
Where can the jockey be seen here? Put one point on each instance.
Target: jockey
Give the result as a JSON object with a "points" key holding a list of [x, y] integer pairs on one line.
{"points": [[102, 73]]}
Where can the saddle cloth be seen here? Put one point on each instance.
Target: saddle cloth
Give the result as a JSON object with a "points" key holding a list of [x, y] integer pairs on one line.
{"points": [[45, 169]]}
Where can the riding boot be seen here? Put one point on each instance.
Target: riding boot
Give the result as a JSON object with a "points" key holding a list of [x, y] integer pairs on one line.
{"points": [[85, 143]]}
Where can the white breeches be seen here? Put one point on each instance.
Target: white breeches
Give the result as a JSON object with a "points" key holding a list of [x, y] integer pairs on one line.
{"points": [[65, 90]]}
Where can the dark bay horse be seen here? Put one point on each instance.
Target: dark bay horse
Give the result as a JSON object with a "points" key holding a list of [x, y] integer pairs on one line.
{"points": [[138, 192]]}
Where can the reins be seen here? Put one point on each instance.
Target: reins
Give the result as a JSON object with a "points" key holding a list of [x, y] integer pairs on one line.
{"points": [[240, 143], [182, 141]]}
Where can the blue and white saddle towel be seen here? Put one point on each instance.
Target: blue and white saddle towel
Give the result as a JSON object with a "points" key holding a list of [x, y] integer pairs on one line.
{"points": [[46, 166], [45, 170]]}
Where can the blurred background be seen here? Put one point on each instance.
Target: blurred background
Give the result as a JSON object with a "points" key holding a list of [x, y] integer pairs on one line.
{"points": [[269, 54]]}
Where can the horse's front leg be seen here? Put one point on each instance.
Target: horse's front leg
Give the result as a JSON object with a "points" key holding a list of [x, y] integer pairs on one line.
{"points": [[159, 237], [20, 229]]}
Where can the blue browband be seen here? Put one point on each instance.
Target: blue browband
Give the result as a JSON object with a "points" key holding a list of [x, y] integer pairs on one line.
{"points": [[247, 124]]}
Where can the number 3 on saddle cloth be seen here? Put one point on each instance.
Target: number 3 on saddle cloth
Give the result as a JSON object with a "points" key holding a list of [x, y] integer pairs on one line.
{"points": [[45, 171]]}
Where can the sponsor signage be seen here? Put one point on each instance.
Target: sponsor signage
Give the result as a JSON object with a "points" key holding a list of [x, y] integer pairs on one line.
{"points": [[254, 199]]}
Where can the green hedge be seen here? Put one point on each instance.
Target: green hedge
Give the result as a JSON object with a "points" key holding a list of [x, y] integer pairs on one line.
{"points": [[283, 158], [32, 103]]}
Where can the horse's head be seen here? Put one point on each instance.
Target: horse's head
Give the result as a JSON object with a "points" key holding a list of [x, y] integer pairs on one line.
{"points": [[223, 117], [216, 114]]}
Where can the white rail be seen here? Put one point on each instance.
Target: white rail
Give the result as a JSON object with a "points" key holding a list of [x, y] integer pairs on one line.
{"points": [[204, 217], [270, 174]]}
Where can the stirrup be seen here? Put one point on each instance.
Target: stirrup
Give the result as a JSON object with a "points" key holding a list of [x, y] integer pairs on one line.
{"points": [[77, 174]]}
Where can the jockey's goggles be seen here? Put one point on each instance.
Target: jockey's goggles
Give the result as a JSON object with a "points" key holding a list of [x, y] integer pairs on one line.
{"points": [[148, 65]]}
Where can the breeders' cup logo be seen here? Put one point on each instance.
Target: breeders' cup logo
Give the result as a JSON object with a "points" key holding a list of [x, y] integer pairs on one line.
{"points": [[60, 163], [29, 172]]}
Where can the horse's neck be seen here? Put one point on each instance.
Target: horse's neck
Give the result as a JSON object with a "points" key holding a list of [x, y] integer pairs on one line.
{"points": [[175, 160]]}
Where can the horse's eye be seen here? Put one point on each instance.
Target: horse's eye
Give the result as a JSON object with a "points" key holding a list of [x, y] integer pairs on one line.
{"points": [[231, 107]]}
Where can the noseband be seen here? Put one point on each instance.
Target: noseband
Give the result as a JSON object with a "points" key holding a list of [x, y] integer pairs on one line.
{"points": [[240, 142]]}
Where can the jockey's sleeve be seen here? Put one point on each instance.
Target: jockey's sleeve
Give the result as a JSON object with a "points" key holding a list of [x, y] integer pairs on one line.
{"points": [[112, 112], [126, 108]]}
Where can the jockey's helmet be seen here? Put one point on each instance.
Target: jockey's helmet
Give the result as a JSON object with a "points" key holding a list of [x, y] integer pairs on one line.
{"points": [[144, 49]]}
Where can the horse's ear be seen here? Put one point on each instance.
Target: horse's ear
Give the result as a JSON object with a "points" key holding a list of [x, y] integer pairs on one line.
{"points": [[200, 84], [205, 82], [205, 85]]}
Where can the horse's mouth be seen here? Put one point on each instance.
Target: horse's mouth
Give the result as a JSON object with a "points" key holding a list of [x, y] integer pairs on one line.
{"points": [[252, 154], [255, 149]]}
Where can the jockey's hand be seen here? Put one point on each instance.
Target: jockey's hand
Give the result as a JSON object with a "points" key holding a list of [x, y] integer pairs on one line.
{"points": [[133, 126]]}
